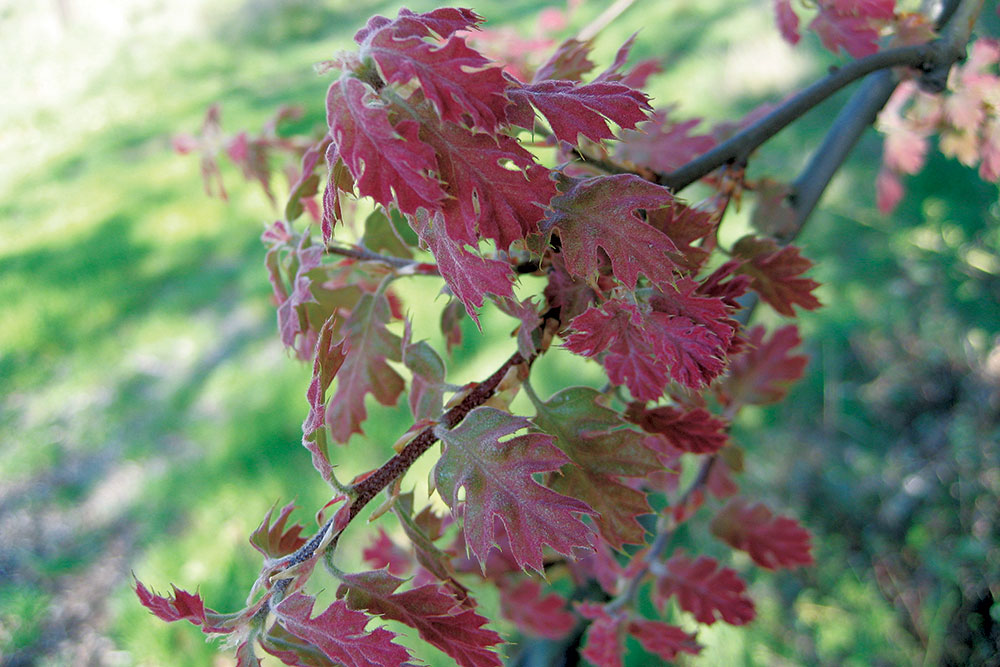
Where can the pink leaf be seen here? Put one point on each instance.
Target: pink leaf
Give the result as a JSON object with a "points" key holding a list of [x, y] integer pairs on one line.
{"points": [[440, 620], [706, 590], [500, 493], [772, 541], [340, 633], [601, 213], [533, 613], [888, 190]]}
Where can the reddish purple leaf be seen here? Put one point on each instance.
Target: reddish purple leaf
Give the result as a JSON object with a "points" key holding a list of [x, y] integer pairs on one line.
{"points": [[761, 374], [437, 616], [533, 613], [772, 541], [603, 644], [601, 213], [328, 359], [389, 163], [183, 606], [643, 347], [457, 80], [383, 552], [570, 61], [706, 590], [856, 35], [663, 639], [469, 275], [496, 189], [500, 493], [572, 108], [340, 633], [695, 431], [775, 273]]}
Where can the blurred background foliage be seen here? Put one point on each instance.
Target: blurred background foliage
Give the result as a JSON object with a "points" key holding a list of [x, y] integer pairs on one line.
{"points": [[149, 415]]}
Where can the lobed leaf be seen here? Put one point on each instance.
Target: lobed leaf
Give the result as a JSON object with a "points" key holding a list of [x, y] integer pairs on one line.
{"points": [[706, 590], [339, 633], [437, 616], [772, 541], [501, 492], [601, 450]]}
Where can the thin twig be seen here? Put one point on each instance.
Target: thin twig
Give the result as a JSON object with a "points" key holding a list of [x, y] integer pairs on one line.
{"points": [[363, 254]]}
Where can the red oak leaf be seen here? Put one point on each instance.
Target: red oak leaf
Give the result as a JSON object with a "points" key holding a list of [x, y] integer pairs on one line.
{"points": [[762, 373], [437, 616], [772, 541], [469, 275], [273, 540], [365, 371], [663, 639], [788, 21], [706, 590], [383, 552], [663, 145], [573, 108], [497, 190], [388, 161], [533, 613], [500, 490], [603, 645], [601, 452], [601, 213], [183, 606], [775, 273], [457, 80], [643, 347], [340, 633], [695, 431]]}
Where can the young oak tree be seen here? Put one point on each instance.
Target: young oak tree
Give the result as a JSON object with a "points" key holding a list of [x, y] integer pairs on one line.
{"points": [[587, 490]]}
